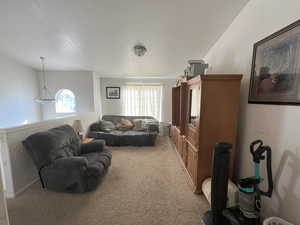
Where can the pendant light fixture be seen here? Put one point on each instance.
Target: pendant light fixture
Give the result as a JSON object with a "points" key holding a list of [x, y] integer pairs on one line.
{"points": [[45, 96]]}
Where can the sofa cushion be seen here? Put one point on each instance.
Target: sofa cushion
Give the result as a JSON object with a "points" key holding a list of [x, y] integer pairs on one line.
{"points": [[124, 138]]}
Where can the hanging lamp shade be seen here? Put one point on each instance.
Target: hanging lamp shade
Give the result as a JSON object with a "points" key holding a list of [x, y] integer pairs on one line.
{"points": [[45, 95]]}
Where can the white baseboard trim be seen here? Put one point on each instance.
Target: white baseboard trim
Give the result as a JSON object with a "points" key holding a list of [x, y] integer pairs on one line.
{"points": [[9, 195], [17, 193]]}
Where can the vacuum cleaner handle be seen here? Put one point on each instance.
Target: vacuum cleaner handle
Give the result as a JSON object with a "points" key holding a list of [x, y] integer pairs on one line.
{"points": [[255, 143], [256, 153], [269, 173]]}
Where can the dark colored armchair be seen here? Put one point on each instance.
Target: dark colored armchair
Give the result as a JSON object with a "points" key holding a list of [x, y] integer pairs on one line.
{"points": [[64, 163]]}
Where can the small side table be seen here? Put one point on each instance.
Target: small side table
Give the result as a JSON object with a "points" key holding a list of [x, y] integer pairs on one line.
{"points": [[87, 140]]}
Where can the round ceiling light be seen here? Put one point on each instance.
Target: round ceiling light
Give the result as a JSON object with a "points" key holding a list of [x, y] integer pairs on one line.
{"points": [[139, 50]]}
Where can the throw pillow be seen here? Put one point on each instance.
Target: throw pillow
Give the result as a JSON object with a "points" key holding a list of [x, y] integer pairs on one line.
{"points": [[119, 126], [139, 125], [95, 127], [125, 125], [107, 126]]}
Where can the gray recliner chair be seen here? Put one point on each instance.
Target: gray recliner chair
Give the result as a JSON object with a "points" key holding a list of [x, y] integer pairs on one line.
{"points": [[64, 163]]}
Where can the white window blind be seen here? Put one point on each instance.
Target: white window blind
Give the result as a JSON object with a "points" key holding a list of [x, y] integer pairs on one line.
{"points": [[142, 100]]}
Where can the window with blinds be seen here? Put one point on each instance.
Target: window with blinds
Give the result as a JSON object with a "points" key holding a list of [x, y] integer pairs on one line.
{"points": [[142, 100]]}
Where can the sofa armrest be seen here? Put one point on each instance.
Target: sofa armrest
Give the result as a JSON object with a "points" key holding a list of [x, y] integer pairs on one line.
{"points": [[94, 146]]}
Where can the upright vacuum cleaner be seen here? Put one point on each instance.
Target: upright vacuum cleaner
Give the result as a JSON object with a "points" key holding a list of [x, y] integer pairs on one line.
{"points": [[249, 201]]}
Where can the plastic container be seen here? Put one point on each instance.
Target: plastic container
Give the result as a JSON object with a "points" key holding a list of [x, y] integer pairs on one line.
{"points": [[275, 221], [231, 194]]}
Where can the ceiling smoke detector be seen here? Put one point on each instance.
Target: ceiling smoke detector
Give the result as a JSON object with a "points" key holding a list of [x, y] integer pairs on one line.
{"points": [[139, 50]]}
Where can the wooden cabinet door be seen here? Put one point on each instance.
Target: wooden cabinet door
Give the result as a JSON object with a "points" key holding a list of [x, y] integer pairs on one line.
{"points": [[171, 132], [192, 135], [176, 106], [192, 163], [184, 152], [175, 136], [180, 143]]}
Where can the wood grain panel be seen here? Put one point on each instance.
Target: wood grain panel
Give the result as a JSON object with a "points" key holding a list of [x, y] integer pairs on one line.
{"points": [[192, 162], [218, 120], [184, 152], [192, 135], [175, 106], [183, 107], [180, 145]]}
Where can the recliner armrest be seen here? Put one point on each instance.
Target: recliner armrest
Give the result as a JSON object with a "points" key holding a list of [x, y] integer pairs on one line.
{"points": [[65, 174], [74, 162], [94, 146], [64, 166]]}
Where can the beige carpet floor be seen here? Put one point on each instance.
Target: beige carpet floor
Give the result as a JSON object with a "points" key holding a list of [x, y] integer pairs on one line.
{"points": [[145, 186]]}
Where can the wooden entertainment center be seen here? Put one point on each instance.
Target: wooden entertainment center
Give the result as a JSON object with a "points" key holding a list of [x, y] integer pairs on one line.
{"points": [[205, 111]]}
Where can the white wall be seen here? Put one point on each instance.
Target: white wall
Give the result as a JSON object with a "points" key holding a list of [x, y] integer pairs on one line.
{"points": [[277, 125], [114, 106], [79, 82], [97, 94], [18, 89], [4, 220]]}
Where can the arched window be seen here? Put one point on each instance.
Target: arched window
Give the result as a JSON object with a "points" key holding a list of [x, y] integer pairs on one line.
{"points": [[65, 101]]}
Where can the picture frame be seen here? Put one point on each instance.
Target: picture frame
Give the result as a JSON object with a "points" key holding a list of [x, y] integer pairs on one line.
{"points": [[113, 93], [275, 71]]}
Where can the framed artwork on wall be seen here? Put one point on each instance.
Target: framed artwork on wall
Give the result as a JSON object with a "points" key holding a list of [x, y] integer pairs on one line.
{"points": [[112, 92], [275, 72]]}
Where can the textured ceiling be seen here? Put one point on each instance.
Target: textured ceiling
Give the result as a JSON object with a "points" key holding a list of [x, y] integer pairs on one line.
{"points": [[99, 35]]}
